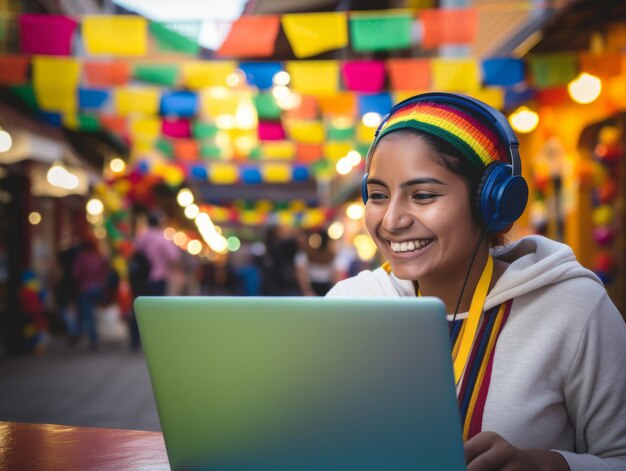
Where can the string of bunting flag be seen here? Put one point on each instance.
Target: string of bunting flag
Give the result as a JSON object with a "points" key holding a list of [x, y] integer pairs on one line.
{"points": [[207, 111], [256, 121], [135, 187], [308, 34]]}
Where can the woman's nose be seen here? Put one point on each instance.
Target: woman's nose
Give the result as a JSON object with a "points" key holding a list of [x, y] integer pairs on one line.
{"points": [[397, 216]]}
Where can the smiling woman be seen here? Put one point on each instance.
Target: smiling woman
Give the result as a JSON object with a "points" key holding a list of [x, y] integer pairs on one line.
{"points": [[537, 344], [420, 219]]}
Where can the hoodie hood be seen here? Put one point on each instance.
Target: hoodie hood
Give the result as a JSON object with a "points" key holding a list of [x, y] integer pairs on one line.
{"points": [[535, 262]]}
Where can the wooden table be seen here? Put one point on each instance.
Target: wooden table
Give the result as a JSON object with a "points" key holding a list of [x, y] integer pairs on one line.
{"points": [[67, 448]]}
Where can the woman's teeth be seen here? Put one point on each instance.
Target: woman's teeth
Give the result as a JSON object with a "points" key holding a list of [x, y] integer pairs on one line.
{"points": [[409, 245]]}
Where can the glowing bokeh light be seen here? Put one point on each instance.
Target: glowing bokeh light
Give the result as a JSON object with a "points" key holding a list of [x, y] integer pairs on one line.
{"points": [[257, 248], [233, 243], [335, 230], [34, 218], [315, 241], [371, 119], [100, 232], [354, 157], [191, 211], [245, 116], [524, 120], [180, 239], [194, 247], [343, 166], [184, 197], [234, 78], [585, 88], [5, 141], [281, 78], [95, 218], [365, 247], [169, 232], [94, 207], [60, 177], [225, 121], [117, 165], [355, 211]]}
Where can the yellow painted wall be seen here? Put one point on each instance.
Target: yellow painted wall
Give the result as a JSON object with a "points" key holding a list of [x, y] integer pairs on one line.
{"points": [[566, 122]]}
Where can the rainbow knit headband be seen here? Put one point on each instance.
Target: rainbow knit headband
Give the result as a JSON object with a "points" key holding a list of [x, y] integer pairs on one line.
{"points": [[481, 144]]}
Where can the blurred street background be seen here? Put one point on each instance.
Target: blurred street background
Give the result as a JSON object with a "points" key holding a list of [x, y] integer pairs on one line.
{"points": [[71, 386], [217, 147]]}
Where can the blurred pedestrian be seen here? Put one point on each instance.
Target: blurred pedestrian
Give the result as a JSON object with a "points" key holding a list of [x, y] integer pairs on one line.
{"points": [[279, 276], [66, 288], [90, 272], [160, 256], [315, 262]]}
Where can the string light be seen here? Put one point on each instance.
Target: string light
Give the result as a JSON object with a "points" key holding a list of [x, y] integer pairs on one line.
{"points": [[184, 197], [194, 247], [191, 211]]}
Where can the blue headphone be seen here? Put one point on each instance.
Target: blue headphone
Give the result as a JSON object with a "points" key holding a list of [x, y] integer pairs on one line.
{"points": [[502, 193]]}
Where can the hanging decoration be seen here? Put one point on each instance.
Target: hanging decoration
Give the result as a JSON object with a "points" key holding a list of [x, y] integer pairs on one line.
{"points": [[115, 35], [381, 30], [608, 153], [311, 34], [448, 26], [215, 118], [263, 28], [46, 34]]}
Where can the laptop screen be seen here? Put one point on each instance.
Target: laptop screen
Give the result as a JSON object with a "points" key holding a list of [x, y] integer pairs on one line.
{"points": [[302, 383]]}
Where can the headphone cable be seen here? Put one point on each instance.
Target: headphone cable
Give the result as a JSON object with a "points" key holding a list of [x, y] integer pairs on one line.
{"points": [[469, 270]]}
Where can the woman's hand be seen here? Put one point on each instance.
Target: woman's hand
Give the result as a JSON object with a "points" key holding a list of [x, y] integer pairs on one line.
{"points": [[488, 451]]}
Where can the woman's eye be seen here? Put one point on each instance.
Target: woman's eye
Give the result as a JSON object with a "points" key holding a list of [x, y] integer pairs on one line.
{"points": [[424, 196], [376, 195]]}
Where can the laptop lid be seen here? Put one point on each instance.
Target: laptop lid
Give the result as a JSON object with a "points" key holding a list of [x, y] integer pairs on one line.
{"points": [[298, 384]]}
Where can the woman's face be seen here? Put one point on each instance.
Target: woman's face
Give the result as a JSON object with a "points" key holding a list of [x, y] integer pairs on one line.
{"points": [[418, 212]]}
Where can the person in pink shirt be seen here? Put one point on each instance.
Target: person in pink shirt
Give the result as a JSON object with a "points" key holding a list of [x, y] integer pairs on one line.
{"points": [[161, 253], [90, 271]]}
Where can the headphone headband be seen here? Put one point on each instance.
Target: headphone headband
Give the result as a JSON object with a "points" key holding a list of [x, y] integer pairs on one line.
{"points": [[475, 107]]}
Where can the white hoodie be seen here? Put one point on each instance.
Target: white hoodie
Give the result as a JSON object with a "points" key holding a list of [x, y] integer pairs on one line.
{"points": [[559, 371]]}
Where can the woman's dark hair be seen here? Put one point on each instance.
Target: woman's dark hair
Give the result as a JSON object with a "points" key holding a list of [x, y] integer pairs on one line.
{"points": [[448, 156]]}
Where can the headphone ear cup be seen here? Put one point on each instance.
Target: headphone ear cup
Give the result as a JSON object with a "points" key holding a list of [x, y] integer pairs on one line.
{"points": [[478, 198], [364, 188], [502, 197]]}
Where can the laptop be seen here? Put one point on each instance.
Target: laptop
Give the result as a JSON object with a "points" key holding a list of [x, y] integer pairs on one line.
{"points": [[299, 384]]}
